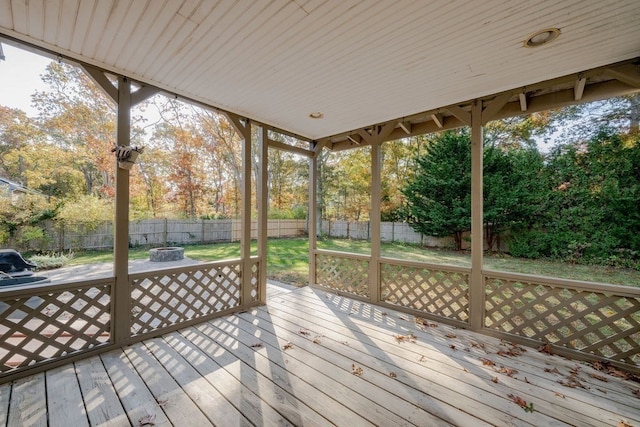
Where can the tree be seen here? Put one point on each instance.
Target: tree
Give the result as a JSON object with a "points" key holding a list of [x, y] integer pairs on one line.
{"points": [[592, 207], [514, 189], [439, 194]]}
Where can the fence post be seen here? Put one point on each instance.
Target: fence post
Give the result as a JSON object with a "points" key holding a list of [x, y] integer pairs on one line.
{"points": [[165, 233], [61, 238], [202, 239]]}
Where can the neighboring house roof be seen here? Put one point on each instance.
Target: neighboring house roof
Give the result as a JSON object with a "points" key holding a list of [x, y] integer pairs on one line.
{"points": [[9, 188]]}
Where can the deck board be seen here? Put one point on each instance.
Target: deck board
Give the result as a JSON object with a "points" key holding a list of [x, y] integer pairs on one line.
{"points": [[297, 360], [100, 398], [64, 399], [5, 395], [433, 347]]}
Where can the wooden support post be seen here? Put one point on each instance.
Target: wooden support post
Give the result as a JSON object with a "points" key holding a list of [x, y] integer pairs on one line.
{"points": [[313, 204], [476, 285], [374, 215], [263, 198], [121, 303], [245, 237]]}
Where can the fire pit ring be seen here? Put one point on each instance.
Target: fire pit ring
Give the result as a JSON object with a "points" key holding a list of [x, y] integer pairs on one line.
{"points": [[166, 254]]}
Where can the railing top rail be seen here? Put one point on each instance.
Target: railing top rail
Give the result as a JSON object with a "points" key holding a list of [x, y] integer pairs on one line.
{"points": [[190, 267], [620, 290], [348, 255], [420, 264], [39, 289]]}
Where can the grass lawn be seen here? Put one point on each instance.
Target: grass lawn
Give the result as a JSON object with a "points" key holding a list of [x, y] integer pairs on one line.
{"points": [[288, 260]]}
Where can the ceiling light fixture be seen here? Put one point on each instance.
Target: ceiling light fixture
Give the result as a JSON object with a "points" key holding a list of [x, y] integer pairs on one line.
{"points": [[316, 115], [542, 37]]}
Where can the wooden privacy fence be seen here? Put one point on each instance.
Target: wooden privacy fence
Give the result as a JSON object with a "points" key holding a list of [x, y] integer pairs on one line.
{"points": [[46, 325], [578, 319], [157, 232]]}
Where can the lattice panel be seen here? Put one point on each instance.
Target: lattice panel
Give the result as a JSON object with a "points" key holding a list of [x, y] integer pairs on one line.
{"points": [[34, 329], [438, 292], [343, 274], [255, 281], [591, 322], [165, 299]]}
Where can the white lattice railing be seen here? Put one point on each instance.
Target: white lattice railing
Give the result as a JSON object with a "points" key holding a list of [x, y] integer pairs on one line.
{"points": [[593, 319], [436, 290], [166, 298], [343, 272], [45, 322]]}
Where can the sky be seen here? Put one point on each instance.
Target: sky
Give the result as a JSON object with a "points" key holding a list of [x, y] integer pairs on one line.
{"points": [[20, 78]]}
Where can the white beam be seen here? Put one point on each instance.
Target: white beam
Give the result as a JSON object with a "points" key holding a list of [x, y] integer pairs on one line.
{"points": [[405, 126], [523, 101], [626, 73], [438, 120], [578, 88]]}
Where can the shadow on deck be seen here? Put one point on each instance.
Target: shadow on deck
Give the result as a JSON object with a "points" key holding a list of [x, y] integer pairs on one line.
{"points": [[313, 358]]}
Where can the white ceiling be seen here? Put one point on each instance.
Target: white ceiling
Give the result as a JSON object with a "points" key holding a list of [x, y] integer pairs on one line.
{"points": [[359, 62]]}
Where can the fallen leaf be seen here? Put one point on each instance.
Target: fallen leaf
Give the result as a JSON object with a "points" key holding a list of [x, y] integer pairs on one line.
{"points": [[393, 375], [256, 345], [465, 370], [602, 390], [287, 346], [521, 403], [345, 342], [405, 338], [304, 332], [425, 322], [451, 336], [316, 340], [526, 380], [403, 318], [545, 349], [452, 347], [162, 403], [487, 362], [422, 358], [560, 394], [552, 371], [599, 377], [622, 423], [494, 379], [636, 393], [510, 372], [356, 370], [384, 313], [147, 420]]}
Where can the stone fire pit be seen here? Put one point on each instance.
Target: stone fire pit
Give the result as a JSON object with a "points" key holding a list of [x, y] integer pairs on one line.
{"points": [[166, 254]]}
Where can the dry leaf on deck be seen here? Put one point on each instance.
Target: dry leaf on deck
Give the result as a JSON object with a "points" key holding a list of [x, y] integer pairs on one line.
{"points": [[510, 372], [316, 340], [557, 393], [451, 336], [487, 362], [304, 332], [545, 348], [495, 380], [147, 420], [528, 407], [552, 371], [256, 345], [356, 370], [636, 393], [599, 377], [452, 347], [162, 403], [393, 375], [622, 423], [287, 346]]}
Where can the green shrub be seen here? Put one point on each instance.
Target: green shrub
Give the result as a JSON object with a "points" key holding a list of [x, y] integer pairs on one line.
{"points": [[50, 261]]}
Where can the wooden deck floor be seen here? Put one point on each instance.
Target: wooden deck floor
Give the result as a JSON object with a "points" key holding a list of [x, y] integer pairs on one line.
{"points": [[313, 358]]}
